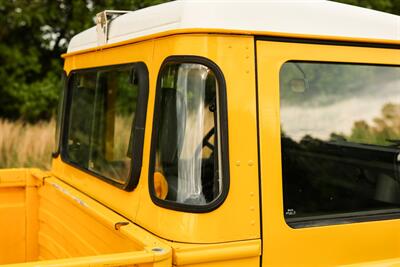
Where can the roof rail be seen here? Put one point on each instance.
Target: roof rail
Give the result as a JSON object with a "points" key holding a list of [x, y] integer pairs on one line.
{"points": [[102, 23]]}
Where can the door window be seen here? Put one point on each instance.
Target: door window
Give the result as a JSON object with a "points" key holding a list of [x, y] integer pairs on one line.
{"points": [[340, 138]]}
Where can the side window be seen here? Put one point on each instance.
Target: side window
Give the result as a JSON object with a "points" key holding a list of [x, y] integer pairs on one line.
{"points": [[340, 138], [100, 135], [187, 155]]}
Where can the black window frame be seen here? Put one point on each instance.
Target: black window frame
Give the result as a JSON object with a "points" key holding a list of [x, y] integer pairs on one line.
{"points": [[137, 129], [223, 133]]}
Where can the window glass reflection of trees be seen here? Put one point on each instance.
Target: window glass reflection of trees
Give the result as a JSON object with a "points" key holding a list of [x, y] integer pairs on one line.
{"points": [[340, 137]]}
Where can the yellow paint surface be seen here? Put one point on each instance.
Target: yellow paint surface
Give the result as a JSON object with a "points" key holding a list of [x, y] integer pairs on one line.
{"points": [[235, 57], [44, 219], [317, 246]]}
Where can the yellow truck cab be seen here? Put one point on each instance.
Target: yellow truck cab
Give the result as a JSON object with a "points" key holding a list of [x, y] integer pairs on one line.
{"points": [[219, 133]]}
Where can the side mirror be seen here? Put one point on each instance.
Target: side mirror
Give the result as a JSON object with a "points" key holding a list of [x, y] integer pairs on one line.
{"points": [[298, 85]]}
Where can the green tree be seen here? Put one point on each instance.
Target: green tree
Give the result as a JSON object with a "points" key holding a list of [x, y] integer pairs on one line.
{"points": [[33, 35], [389, 6], [385, 130]]}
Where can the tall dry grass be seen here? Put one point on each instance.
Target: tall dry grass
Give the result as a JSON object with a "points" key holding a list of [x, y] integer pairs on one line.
{"points": [[122, 133], [26, 145]]}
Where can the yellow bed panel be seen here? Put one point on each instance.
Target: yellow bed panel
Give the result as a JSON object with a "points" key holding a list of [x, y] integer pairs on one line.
{"points": [[44, 219]]}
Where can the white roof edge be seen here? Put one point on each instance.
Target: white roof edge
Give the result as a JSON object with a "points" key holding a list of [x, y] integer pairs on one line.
{"points": [[302, 17]]}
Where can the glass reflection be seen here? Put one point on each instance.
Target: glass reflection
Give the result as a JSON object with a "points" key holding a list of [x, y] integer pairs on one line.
{"points": [[340, 127]]}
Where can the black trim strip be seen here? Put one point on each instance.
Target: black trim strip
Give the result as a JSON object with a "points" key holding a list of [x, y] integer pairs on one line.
{"points": [[324, 42], [339, 63], [223, 133], [61, 114], [336, 219], [258, 148], [139, 126], [137, 130]]}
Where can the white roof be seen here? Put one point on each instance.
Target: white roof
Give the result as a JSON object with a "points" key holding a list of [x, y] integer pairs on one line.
{"points": [[305, 17]]}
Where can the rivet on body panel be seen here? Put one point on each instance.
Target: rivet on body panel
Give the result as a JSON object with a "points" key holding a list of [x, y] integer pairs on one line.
{"points": [[237, 163], [250, 163]]}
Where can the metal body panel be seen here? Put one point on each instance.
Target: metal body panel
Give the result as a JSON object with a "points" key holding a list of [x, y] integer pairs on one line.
{"points": [[235, 56], [332, 245]]}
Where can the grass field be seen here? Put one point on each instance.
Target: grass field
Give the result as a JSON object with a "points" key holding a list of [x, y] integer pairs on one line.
{"points": [[25, 145]]}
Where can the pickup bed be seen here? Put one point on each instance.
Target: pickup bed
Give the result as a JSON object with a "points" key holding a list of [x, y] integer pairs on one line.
{"points": [[44, 219]]}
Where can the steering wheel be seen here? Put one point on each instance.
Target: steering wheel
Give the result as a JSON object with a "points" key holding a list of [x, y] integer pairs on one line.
{"points": [[206, 142], [206, 139]]}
